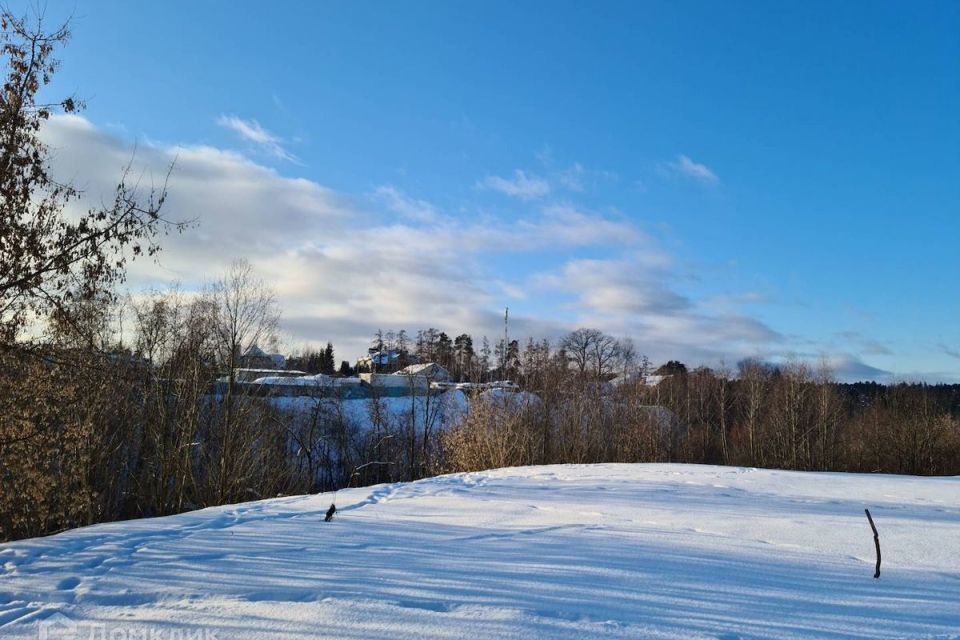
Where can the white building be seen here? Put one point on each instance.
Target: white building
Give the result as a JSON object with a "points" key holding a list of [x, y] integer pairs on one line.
{"points": [[430, 370], [395, 383]]}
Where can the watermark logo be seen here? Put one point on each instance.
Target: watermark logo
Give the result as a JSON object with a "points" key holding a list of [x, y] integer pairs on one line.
{"points": [[61, 627], [58, 627]]}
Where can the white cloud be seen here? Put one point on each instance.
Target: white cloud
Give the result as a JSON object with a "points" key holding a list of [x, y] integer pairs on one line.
{"points": [[511, 291], [953, 353], [686, 167], [342, 270], [617, 287], [409, 208], [864, 344], [523, 186], [251, 131], [241, 207], [571, 226], [572, 178], [577, 179], [635, 295], [850, 368]]}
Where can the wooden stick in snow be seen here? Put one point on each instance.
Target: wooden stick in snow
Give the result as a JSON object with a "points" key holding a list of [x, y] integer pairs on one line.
{"points": [[876, 541]]}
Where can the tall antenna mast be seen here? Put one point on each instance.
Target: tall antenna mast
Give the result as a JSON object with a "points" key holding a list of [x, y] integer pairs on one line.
{"points": [[506, 339]]}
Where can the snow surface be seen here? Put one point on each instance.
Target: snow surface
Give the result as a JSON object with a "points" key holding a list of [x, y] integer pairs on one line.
{"points": [[441, 410], [318, 380], [631, 551]]}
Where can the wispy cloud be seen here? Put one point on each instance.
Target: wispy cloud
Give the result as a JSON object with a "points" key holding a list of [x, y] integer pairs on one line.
{"points": [[866, 345], [850, 368], [953, 353], [566, 224], [522, 185], [686, 167], [572, 178], [341, 271], [575, 178], [252, 131], [408, 207], [635, 295]]}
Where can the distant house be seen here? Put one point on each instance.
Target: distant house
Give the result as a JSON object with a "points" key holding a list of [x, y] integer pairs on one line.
{"points": [[301, 380], [249, 374], [637, 378], [289, 383], [395, 384], [257, 358], [430, 370], [384, 360], [415, 379]]}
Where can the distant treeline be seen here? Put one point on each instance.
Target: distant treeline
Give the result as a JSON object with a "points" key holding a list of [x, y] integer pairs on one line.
{"points": [[790, 417], [864, 394], [92, 432]]}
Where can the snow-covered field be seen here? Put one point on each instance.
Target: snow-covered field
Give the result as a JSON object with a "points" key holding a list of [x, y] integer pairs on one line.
{"points": [[440, 409], [633, 551]]}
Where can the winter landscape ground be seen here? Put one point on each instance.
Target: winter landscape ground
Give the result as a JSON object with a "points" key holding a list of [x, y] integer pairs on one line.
{"points": [[632, 551]]}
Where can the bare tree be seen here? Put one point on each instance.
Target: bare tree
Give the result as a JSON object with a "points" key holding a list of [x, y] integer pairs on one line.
{"points": [[755, 380], [173, 338], [578, 345], [244, 313], [67, 407], [48, 258], [607, 352], [628, 356], [591, 350]]}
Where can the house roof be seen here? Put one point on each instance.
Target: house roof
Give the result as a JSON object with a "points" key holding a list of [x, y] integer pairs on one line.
{"points": [[422, 369]]}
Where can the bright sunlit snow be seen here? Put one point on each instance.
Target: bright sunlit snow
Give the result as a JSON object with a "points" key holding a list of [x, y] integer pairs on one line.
{"points": [[634, 551]]}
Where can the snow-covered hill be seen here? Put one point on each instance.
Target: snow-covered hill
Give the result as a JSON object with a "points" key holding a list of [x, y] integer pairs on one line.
{"points": [[632, 551]]}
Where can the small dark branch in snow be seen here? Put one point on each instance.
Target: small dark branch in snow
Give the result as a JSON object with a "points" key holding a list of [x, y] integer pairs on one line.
{"points": [[876, 541], [332, 510]]}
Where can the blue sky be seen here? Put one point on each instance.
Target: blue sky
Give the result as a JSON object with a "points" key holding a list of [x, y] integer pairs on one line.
{"points": [[713, 179]]}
